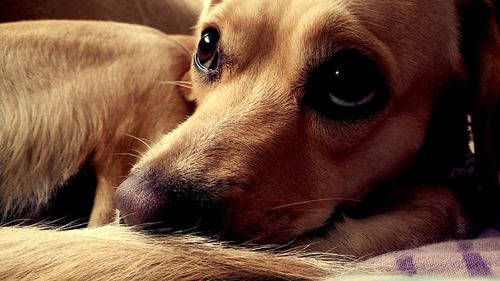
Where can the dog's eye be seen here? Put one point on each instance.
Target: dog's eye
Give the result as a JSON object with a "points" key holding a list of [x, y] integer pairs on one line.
{"points": [[349, 85], [207, 55]]}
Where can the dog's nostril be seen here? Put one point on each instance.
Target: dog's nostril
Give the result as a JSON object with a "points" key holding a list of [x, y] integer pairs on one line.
{"points": [[152, 198]]}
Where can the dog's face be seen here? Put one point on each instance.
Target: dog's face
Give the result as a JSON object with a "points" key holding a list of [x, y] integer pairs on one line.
{"points": [[303, 107]]}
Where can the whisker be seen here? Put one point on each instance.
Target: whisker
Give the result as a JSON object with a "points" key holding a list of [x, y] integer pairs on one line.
{"points": [[250, 242], [177, 82], [315, 201], [140, 153], [128, 154], [184, 84], [140, 140]]}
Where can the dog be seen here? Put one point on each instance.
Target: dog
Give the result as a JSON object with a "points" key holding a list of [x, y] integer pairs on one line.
{"points": [[306, 109], [315, 125]]}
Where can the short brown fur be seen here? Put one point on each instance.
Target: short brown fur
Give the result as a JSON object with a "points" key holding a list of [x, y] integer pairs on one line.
{"points": [[423, 60]]}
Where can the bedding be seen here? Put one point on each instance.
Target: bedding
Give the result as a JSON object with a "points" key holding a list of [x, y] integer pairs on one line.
{"points": [[477, 258]]}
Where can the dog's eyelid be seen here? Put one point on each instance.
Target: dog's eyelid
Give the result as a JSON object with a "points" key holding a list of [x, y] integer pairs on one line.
{"points": [[209, 25], [348, 85], [325, 50], [317, 61]]}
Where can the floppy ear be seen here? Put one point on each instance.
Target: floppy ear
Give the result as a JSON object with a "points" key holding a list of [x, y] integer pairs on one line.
{"points": [[480, 46]]}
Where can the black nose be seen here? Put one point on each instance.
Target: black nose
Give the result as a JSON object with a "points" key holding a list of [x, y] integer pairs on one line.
{"points": [[151, 198]]}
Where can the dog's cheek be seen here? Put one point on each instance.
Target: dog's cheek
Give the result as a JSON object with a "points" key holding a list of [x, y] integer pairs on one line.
{"points": [[272, 225], [285, 204]]}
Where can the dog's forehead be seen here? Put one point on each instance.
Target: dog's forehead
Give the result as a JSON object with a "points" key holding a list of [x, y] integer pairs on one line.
{"points": [[405, 26], [410, 39], [252, 19], [409, 15]]}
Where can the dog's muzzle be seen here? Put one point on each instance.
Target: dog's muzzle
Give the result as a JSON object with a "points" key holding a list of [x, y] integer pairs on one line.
{"points": [[151, 198]]}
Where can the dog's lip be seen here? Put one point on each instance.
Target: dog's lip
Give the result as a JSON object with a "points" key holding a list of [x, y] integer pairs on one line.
{"points": [[323, 229]]}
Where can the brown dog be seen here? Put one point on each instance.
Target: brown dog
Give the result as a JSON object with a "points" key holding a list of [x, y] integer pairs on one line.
{"points": [[304, 110]]}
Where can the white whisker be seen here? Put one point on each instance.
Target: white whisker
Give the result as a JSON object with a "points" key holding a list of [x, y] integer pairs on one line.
{"points": [[138, 152], [315, 201], [184, 84], [127, 154], [143, 141]]}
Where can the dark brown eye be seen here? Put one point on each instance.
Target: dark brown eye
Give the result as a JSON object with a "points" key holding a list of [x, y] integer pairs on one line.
{"points": [[349, 85], [207, 55]]}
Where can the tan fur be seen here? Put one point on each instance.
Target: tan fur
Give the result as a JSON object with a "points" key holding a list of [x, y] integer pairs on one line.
{"points": [[288, 169], [249, 120], [56, 121], [123, 254]]}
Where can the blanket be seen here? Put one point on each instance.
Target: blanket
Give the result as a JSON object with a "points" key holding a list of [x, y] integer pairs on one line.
{"points": [[477, 258]]}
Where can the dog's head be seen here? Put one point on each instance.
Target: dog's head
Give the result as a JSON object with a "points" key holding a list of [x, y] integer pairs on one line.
{"points": [[302, 108]]}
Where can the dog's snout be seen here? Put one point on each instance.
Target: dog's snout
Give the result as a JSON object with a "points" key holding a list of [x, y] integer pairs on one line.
{"points": [[151, 198]]}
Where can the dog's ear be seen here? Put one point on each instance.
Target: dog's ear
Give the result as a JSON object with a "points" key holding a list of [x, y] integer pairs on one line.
{"points": [[480, 46]]}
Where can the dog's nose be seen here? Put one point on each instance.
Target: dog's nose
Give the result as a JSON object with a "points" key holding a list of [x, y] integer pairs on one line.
{"points": [[151, 198]]}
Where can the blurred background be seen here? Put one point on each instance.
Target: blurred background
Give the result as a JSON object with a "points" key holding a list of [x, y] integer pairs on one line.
{"points": [[170, 16]]}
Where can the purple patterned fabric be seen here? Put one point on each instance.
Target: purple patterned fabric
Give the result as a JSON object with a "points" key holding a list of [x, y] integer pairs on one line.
{"points": [[479, 257]]}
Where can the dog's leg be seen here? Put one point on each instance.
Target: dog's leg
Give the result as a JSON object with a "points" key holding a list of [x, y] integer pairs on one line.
{"points": [[426, 214], [103, 211]]}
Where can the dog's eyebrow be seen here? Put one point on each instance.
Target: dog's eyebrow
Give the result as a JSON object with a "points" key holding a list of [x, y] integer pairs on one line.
{"points": [[334, 34], [332, 37]]}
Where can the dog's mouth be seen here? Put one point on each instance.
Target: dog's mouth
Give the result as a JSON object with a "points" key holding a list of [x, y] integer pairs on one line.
{"points": [[184, 221], [323, 229], [152, 206], [216, 228]]}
